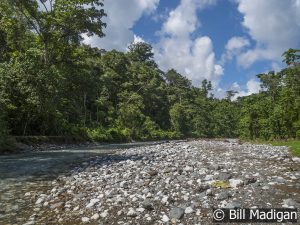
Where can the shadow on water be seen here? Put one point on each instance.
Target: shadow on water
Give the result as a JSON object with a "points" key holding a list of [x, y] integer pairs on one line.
{"points": [[49, 164]]}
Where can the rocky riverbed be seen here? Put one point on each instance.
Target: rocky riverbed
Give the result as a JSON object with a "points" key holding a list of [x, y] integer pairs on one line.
{"points": [[168, 183]]}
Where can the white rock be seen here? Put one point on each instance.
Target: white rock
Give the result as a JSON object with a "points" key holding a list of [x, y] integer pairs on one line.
{"points": [[235, 182], [39, 201], [165, 218], [92, 202], [85, 219], [29, 223], [46, 204], [188, 210], [131, 212], [188, 168], [296, 159], [140, 209], [104, 214], [95, 216], [190, 182], [165, 199]]}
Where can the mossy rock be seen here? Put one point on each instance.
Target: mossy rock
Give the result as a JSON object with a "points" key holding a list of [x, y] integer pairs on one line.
{"points": [[221, 184]]}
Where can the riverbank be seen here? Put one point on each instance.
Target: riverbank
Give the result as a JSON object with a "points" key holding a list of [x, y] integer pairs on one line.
{"points": [[293, 145], [21, 144], [174, 182]]}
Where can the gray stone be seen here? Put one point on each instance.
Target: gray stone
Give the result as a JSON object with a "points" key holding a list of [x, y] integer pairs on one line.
{"points": [[224, 176], [85, 219], [188, 210], [181, 178], [291, 203], [57, 205], [223, 195], [176, 213], [233, 205], [95, 216], [132, 213], [147, 204]]}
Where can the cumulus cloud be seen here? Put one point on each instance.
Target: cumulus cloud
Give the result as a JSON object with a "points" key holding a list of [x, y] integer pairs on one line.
{"points": [[176, 49], [234, 46], [273, 24], [137, 39], [252, 87], [121, 17]]}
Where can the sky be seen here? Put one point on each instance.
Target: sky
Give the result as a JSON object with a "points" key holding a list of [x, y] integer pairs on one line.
{"points": [[227, 42]]}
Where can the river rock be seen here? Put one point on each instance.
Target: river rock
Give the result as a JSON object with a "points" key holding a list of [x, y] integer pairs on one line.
{"points": [[176, 213]]}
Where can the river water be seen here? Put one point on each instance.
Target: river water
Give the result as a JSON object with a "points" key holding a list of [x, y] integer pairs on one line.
{"points": [[34, 172]]}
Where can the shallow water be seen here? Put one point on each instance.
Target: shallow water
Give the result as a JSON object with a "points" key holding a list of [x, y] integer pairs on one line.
{"points": [[34, 171]]}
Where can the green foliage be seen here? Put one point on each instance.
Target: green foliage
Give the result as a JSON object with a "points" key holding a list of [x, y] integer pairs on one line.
{"points": [[53, 84], [7, 143], [275, 112], [179, 119], [294, 145]]}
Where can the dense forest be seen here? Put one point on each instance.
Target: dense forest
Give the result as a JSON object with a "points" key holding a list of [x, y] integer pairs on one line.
{"points": [[52, 84]]}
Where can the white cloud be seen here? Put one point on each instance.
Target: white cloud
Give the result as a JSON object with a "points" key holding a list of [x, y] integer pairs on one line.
{"points": [[273, 24], [252, 87], [137, 39], [121, 17], [276, 67], [236, 43], [176, 49], [234, 47]]}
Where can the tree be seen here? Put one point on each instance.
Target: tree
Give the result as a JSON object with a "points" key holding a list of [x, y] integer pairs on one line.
{"points": [[141, 52], [59, 24]]}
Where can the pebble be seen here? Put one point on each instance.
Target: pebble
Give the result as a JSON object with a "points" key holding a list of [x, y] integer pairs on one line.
{"points": [[95, 216], [85, 219], [168, 183], [131, 213], [176, 213], [165, 218], [188, 210]]}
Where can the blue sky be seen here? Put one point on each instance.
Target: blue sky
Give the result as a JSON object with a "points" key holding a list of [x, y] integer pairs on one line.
{"points": [[225, 41]]}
